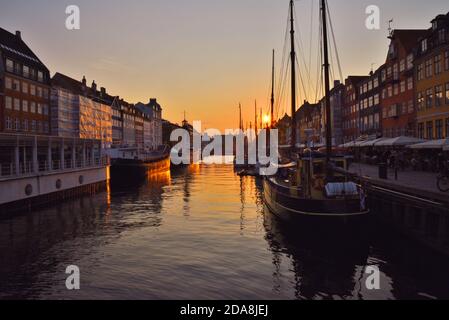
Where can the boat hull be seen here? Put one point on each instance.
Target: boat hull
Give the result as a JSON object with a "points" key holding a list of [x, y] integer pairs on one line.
{"points": [[129, 168], [291, 208]]}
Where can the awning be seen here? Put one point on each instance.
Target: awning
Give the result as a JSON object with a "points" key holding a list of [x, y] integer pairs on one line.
{"points": [[399, 142], [433, 144], [352, 144], [371, 143]]}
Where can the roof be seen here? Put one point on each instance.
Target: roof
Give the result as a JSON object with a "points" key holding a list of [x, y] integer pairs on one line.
{"points": [[77, 87], [13, 45], [408, 37]]}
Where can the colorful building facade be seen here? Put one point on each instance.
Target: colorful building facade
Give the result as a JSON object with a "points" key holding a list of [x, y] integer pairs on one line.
{"points": [[432, 81]]}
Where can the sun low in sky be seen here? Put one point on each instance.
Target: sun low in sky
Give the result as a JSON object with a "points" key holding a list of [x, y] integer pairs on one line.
{"points": [[199, 56]]}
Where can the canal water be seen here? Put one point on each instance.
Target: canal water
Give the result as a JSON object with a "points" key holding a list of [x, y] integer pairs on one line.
{"points": [[200, 233]]}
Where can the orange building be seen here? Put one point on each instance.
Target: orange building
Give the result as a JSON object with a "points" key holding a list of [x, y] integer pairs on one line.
{"points": [[432, 81]]}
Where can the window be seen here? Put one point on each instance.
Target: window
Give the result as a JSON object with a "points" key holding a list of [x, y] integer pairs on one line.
{"points": [[45, 91], [39, 92], [410, 61], [16, 85], [17, 128], [446, 60], [26, 71], [16, 104], [383, 75], [402, 66], [25, 87], [45, 110], [33, 125], [411, 107], [429, 98], [447, 93], [421, 130], [32, 90], [8, 123], [442, 36], [39, 108], [8, 103], [424, 45], [376, 99], [17, 68], [439, 129], [420, 72], [390, 91], [447, 127], [25, 125], [8, 83], [438, 96], [438, 68], [410, 83], [25, 106], [33, 107], [40, 76], [429, 130], [429, 71], [396, 89], [396, 71], [402, 86], [9, 65], [376, 82]]}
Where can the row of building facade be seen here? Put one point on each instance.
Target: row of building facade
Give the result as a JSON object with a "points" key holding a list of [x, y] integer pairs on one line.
{"points": [[33, 102], [407, 96]]}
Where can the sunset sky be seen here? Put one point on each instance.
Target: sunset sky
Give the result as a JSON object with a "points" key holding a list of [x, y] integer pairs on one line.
{"points": [[202, 56]]}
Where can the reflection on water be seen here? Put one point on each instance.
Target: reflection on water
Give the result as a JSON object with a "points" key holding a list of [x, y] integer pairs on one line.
{"points": [[200, 232]]}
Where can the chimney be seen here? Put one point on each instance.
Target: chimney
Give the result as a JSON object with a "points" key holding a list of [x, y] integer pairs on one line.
{"points": [[153, 100], [102, 91], [94, 86], [336, 83], [84, 81], [19, 34]]}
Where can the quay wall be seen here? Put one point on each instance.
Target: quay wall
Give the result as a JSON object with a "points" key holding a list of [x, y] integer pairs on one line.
{"points": [[421, 218]]}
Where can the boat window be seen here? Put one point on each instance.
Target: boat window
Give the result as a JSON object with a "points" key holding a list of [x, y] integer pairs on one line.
{"points": [[340, 164], [318, 168]]}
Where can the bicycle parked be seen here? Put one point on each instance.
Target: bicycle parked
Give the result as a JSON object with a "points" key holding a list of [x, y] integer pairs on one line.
{"points": [[443, 179]]}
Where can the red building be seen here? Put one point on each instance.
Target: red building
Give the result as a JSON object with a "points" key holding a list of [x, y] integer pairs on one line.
{"points": [[350, 110], [24, 88], [397, 84]]}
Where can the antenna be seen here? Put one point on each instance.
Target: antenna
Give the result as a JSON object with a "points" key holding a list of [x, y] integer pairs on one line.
{"points": [[390, 29]]}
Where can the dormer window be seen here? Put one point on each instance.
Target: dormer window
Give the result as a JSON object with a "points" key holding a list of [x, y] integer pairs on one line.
{"points": [[9, 65], [435, 25], [442, 36], [424, 46]]}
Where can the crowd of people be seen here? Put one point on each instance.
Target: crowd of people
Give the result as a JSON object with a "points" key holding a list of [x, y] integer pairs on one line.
{"points": [[404, 158]]}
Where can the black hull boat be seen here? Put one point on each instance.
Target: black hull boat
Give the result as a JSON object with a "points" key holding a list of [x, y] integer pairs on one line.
{"points": [[132, 163], [284, 202]]}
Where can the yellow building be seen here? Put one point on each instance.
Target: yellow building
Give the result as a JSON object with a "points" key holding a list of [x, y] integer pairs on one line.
{"points": [[432, 81]]}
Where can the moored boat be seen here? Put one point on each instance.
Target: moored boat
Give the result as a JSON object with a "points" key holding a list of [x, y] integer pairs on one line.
{"points": [[314, 186]]}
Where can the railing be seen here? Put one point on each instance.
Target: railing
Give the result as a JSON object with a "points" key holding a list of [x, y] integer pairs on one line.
{"points": [[27, 168]]}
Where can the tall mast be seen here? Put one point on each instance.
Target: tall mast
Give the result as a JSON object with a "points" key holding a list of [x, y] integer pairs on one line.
{"points": [[327, 87], [241, 120], [293, 66], [255, 113], [272, 95]]}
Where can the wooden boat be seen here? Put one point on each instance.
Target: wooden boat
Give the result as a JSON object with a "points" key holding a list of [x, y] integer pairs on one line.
{"points": [[314, 186], [300, 191]]}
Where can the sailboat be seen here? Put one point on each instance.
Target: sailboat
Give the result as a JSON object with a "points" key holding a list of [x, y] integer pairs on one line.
{"points": [[314, 185]]}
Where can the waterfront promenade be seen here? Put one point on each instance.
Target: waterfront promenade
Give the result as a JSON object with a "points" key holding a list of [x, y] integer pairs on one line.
{"points": [[412, 182]]}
